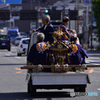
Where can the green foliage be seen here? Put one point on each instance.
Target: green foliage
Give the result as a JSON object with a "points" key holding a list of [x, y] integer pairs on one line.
{"points": [[96, 13]]}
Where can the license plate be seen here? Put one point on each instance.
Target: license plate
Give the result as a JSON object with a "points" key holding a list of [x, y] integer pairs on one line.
{"points": [[3, 44]]}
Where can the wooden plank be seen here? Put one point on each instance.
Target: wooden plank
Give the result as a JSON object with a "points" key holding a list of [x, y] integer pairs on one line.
{"points": [[93, 65], [53, 66]]}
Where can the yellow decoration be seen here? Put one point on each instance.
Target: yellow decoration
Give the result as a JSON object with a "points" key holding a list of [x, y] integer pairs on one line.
{"points": [[67, 43], [72, 41], [59, 31], [60, 46], [51, 44]]}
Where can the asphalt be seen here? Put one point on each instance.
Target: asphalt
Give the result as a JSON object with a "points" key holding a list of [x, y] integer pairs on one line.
{"points": [[14, 87]]}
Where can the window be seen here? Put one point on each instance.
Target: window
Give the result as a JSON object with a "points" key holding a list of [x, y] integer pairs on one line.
{"points": [[13, 33], [87, 1], [94, 39], [4, 38], [18, 38], [26, 41]]}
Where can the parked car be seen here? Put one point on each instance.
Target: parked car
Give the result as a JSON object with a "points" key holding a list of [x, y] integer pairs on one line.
{"points": [[5, 42], [23, 46], [95, 41], [17, 39]]}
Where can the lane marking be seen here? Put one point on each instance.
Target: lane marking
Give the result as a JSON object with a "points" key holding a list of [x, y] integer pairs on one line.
{"points": [[92, 70], [18, 57], [17, 68], [19, 72], [14, 47], [97, 71], [7, 54], [98, 89]]}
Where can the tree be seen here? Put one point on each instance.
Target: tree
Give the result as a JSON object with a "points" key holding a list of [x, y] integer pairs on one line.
{"points": [[96, 12]]}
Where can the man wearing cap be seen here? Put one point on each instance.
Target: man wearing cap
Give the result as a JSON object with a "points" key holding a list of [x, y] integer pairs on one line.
{"points": [[47, 29]]}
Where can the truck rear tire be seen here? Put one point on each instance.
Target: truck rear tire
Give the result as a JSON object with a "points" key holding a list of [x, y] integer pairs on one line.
{"points": [[31, 88], [77, 89], [80, 89]]}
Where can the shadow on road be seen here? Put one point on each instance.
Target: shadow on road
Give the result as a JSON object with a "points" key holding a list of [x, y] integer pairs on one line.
{"points": [[12, 64], [26, 96], [14, 56]]}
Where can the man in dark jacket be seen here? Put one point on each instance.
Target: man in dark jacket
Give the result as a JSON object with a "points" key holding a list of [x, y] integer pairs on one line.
{"points": [[37, 53], [79, 53], [47, 29]]}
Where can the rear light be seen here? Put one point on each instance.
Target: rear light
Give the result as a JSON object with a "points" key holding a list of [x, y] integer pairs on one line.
{"points": [[10, 42], [21, 46]]}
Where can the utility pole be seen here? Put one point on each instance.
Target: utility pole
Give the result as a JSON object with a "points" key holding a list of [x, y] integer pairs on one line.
{"points": [[91, 30], [10, 15], [86, 33]]}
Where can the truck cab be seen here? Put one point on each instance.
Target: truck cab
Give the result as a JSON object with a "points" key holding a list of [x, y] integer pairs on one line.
{"points": [[13, 33]]}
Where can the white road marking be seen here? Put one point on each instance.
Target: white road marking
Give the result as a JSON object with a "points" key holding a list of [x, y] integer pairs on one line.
{"points": [[18, 57], [98, 89], [13, 47], [89, 61], [7, 54]]}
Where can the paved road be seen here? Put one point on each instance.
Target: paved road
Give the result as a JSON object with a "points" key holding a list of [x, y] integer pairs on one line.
{"points": [[14, 87]]}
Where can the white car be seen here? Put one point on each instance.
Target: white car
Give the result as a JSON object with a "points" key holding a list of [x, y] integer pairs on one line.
{"points": [[23, 46], [17, 39], [95, 41]]}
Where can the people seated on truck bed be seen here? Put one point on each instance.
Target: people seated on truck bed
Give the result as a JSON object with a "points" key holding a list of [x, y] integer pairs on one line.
{"points": [[46, 29], [37, 53], [65, 22], [75, 35], [79, 53]]}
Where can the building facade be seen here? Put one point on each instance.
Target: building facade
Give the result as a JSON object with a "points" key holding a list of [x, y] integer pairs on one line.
{"points": [[24, 25]]}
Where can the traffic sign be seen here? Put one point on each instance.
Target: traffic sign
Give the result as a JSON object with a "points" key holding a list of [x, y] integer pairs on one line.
{"points": [[10, 1], [33, 25]]}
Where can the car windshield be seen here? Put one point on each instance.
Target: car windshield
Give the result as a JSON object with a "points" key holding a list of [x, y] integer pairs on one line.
{"points": [[13, 33], [18, 38], [22, 34], [26, 41], [4, 38]]}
